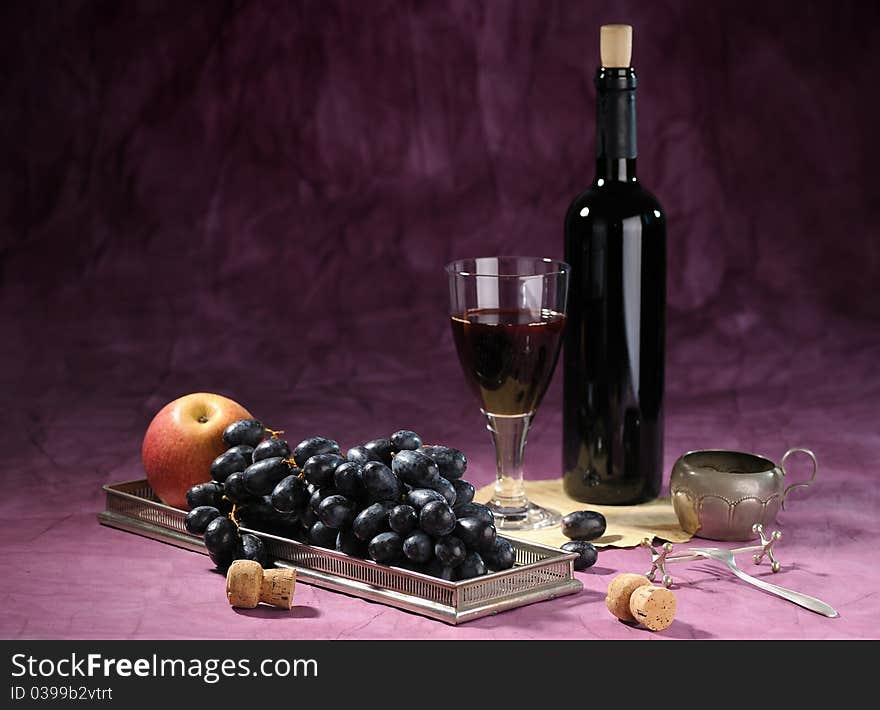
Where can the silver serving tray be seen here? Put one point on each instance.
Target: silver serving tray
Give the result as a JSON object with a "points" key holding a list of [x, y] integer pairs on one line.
{"points": [[540, 572]]}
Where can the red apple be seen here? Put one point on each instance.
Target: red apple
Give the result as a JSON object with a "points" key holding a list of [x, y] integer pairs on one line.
{"points": [[182, 441]]}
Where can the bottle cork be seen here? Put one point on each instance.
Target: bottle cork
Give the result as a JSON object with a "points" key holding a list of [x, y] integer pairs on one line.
{"points": [[653, 607], [248, 584], [615, 45], [277, 587], [619, 592]]}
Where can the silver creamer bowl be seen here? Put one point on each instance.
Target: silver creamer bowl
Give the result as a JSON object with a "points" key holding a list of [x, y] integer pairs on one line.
{"points": [[721, 495]]}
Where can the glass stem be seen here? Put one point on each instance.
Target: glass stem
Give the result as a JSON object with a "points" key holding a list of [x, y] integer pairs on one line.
{"points": [[509, 434]]}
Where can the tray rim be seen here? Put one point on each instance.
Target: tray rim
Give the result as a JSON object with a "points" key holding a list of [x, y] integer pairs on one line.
{"points": [[447, 613]]}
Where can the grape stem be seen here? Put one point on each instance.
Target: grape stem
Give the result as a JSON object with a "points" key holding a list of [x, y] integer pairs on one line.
{"points": [[290, 462], [232, 515], [274, 434]]}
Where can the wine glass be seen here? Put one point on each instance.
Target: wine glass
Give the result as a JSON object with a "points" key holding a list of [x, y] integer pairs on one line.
{"points": [[507, 315]]}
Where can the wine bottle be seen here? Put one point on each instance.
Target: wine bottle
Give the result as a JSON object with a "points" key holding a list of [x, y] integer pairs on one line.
{"points": [[613, 368]]}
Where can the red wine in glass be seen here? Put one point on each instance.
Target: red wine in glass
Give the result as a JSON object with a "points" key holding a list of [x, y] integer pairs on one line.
{"points": [[508, 355], [507, 315]]}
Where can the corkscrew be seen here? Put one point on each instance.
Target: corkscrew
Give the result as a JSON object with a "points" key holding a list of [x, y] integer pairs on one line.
{"points": [[662, 556]]}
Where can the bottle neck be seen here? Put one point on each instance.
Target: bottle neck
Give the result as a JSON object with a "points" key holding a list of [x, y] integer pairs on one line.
{"points": [[616, 170], [616, 149]]}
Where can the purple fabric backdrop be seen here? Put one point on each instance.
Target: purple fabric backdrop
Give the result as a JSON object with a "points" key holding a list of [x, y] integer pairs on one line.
{"points": [[257, 198]]}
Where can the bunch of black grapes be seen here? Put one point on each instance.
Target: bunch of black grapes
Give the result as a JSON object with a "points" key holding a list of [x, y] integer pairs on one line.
{"points": [[392, 500]]}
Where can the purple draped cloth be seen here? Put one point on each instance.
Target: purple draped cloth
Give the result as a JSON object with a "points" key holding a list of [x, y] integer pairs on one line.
{"points": [[258, 198]]}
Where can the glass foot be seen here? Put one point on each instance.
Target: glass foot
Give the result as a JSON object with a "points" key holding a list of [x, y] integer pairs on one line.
{"points": [[529, 517]]}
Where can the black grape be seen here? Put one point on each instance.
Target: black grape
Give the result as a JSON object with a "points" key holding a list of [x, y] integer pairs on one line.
{"points": [[308, 518], [249, 432], [476, 534], [322, 536], [415, 468], [386, 547], [464, 491], [418, 547], [418, 497], [447, 490], [257, 513], [437, 569], [450, 551], [403, 519], [336, 512], [501, 555], [244, 450], [437, 519], [311, 447], [451, 462], [222, 541], [475, 510], [347, 542], [583, 525], [252, 548], [371, 521], [381, 449], [233, 461], [586, 551], [299, 532], [348, 480], [283, 524], [197, 520], [210, 493], [473, 566], [318, 469], [290, 494], [271, 448], [487, 540], [319, 494], [380, 483], [406, 440], [261, 477], [358, 454], [234, 489]]}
